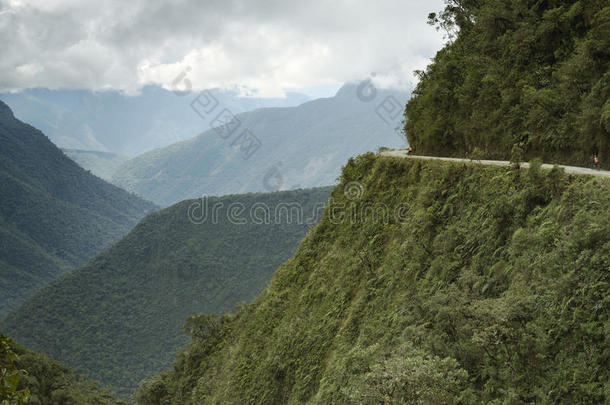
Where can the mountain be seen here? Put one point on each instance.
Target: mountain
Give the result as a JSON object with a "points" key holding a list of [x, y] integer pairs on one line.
{"points": [[269, 149], [523, 76], [431, 282], [53, 214], [111, 121], [44, 380], [118, 318], [425, 282], [102, 164]]}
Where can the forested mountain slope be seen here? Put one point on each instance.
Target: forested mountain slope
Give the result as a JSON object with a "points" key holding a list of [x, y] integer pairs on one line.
{"points": [[32, 378], [535, 74], [270, 149], [53, 214], [424, 282], [118, 319]]}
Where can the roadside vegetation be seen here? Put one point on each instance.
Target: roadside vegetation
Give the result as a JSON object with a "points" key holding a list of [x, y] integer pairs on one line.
{"points": [[535, 74]]}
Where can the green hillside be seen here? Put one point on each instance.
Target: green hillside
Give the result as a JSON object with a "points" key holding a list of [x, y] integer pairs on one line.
{"points": [[118, 319], [102, 164], [535, 74], [480, 285], [27, 377], [53, 214]]}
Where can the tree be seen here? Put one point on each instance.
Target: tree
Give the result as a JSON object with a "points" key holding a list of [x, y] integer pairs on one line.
{"points": [[10, 376]]}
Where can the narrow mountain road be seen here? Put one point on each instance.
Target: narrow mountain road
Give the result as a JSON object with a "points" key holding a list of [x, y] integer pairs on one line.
{"points": [[568, 169]]}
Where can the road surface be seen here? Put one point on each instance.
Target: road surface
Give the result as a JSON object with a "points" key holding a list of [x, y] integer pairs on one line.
{"points": [[568, 169]]}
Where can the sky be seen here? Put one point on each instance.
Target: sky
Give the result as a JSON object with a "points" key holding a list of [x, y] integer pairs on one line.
{"points": [[260, 47]]}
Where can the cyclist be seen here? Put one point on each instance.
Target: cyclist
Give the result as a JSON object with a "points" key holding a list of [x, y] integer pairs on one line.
{"points": [[596, 162]]}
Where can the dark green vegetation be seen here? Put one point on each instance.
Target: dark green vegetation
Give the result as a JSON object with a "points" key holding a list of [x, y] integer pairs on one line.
{"points": [[10, 376], [493, 289], [31, 378], [53, 214], [118, 319], [301, 147], [102, 164], [523, 72]]}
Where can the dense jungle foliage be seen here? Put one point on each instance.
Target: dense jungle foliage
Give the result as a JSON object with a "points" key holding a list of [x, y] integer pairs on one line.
{"points": [[483, 285], [118, 319], [530, 73]]}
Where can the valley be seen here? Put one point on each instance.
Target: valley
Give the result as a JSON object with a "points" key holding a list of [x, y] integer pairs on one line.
{"points": [[118, 319], [397, 202]]}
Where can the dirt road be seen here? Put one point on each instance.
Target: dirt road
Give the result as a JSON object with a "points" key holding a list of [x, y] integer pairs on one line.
{"points": [[568, 169]]}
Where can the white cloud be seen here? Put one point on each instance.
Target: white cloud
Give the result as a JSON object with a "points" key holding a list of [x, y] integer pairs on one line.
{"points": [[264, 45]]}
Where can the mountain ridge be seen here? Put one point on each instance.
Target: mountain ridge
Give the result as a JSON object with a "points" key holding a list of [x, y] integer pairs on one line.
{"points": [[267, 149], [53, 214], [115, 122]]}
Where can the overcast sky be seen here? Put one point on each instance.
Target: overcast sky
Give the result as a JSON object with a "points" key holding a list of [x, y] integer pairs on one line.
{"points": [[267, 46]]}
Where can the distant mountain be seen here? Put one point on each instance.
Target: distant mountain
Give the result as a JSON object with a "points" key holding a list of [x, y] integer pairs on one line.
{"points": [[118, 319], [53, 214], [269, 149], [102, 164], [111, 121], [48, 381]]}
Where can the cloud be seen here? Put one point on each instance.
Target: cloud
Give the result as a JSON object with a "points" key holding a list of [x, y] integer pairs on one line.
{"points": [[265, 46]]}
